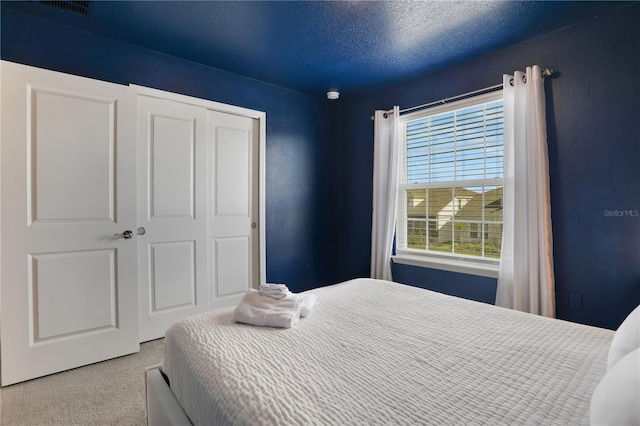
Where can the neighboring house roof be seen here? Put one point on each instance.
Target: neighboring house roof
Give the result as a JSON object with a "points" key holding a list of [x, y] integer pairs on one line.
{"points": [[464, 204]]}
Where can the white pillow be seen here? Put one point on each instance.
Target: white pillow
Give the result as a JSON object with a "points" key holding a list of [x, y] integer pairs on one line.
{"points": [[616, 400], [626, 339]]}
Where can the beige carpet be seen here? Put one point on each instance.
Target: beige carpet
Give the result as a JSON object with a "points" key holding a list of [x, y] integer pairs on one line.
{"points": [[107, 393]]}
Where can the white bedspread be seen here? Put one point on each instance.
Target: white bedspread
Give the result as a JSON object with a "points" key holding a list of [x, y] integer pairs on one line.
{"points": [[375, 352]]}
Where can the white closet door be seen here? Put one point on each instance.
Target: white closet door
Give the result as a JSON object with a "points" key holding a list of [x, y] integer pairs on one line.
{"points": [[172, 252], [235, 207], [69, 287]]}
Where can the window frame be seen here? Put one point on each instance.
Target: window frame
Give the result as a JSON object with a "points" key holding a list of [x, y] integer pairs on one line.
{"points": [[453, 262]]}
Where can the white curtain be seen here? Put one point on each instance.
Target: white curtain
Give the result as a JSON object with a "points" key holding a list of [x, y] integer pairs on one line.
{"points": [[526, 280], [385, 192]]}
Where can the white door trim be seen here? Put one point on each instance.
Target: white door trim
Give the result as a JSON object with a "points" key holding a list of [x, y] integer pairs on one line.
{"points": [[212, 105]]}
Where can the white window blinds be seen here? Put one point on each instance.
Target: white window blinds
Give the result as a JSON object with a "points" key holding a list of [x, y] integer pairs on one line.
{"points": [[459, 145]]}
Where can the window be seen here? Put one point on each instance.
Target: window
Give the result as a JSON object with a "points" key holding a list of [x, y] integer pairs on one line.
{"points": [[451, 174]]}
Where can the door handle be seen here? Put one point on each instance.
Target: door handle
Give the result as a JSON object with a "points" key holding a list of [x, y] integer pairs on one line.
{"points": [[126, 235]]}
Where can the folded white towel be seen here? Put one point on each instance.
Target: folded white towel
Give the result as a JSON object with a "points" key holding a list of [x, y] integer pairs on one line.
{"points": [[307, 302], [274, 291], [262, 311], [272, 286]]}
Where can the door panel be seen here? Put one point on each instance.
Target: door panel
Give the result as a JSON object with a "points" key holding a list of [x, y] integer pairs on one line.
{"points": [[235, 207], [90, 276], [232, 266], [69, 291], [232, 172], [171, 160], [174, 272], [88, 133], [172, 138]]}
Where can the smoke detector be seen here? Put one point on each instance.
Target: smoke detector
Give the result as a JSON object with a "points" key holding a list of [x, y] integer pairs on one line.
{"points": [[333, 95]]}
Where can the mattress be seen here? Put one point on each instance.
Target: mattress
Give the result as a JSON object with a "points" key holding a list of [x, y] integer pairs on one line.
{"points": [[376, 352]]}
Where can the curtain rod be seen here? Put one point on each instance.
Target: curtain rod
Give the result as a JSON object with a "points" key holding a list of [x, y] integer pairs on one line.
{"points": [[545, 72]]}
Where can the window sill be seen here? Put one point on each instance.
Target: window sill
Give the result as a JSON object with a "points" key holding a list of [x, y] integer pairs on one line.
{"points": [[483, 269]]}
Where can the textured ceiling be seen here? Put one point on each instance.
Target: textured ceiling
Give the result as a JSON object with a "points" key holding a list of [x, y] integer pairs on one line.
{"points": [[315, 46]]}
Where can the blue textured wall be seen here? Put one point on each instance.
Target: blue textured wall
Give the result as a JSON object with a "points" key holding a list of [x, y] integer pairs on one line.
{"points": [[593, 104], [482, 289], [301, 191]]}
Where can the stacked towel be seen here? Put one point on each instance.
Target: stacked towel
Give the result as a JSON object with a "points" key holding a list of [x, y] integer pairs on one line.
{"points": [[259, 307], [262, 311], [274, 291]]}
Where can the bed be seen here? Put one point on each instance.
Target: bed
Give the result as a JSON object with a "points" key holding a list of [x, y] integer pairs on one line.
{"points": [[376, 352]]}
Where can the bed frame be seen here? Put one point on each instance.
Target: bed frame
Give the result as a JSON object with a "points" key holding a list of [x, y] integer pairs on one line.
{"points": [[162, 406]]}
